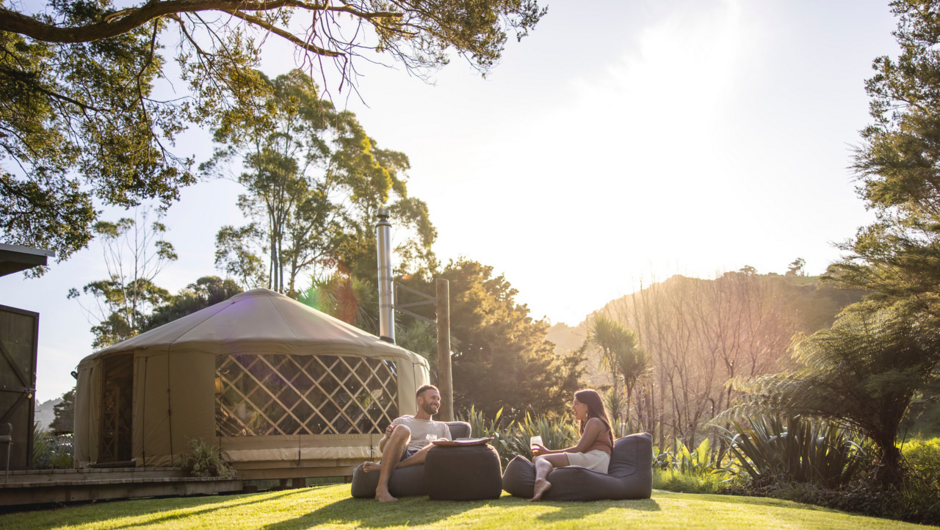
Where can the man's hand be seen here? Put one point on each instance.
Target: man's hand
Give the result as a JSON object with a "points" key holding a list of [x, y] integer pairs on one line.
{"points": [[389, 429]]}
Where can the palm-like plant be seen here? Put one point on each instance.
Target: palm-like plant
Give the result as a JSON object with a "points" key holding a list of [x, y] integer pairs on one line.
{"points": [[768, 448], [622, 356], [344, 297], [864, 371]]}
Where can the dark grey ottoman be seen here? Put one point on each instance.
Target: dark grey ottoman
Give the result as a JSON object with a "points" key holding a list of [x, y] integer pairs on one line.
{"points": [[404, 482], [630, 475], [469, 473]]}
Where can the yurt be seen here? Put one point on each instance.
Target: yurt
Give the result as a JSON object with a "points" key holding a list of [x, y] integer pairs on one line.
{"points": [[283, 389]]}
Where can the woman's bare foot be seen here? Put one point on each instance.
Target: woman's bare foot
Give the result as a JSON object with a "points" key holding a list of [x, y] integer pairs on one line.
{"points": [[384, 496], [371, 466], [541, 486]]}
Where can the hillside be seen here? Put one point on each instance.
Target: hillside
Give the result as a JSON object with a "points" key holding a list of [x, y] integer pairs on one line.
{"points": [[699, 333]]}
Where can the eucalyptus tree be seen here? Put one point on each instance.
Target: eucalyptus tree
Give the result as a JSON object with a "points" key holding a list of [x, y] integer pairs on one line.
{"points": [[313, 181], [135, 253], [81, 121]]}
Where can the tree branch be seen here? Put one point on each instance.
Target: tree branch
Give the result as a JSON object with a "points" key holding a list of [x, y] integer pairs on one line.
{"points": [[127, 20]]}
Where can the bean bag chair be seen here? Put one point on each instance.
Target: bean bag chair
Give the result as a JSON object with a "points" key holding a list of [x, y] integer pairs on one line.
{"points": [[404, 482], [629, 476], [471, 473]]}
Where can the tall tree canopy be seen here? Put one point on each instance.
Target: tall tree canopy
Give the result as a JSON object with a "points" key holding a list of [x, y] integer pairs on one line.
{"points": [[897, 257], [313, 181], [501, 359], [134, 254], [79, 120]]}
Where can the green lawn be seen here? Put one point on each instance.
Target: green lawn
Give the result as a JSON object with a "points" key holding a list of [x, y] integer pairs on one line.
{"points": [[331, 506]]}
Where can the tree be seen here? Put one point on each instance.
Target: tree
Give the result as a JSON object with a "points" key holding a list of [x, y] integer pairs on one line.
{"points": [[500, 359], [347, 298], [313, 182], [796, 268], [622, 357], [79, 121], [134, 255], [895, 257], [865, 371], [204, 292], [64, 414]]}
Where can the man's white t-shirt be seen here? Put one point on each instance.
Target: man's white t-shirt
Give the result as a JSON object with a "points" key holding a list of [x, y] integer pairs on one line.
{"points": [[420, 429]]}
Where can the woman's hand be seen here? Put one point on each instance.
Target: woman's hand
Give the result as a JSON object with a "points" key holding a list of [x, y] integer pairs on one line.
{"points": [[539, 450]]}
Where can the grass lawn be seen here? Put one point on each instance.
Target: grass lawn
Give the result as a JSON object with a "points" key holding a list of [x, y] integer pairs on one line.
{"points": [[331, 506]]}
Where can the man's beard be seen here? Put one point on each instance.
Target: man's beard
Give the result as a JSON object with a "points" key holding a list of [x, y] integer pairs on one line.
{"points": [[429, 409]]}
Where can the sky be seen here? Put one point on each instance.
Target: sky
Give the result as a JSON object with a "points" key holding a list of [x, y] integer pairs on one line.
{"points": [[620, 142]]}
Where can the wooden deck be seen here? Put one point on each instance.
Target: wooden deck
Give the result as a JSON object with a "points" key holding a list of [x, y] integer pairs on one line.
{"points": [[74, 485]]}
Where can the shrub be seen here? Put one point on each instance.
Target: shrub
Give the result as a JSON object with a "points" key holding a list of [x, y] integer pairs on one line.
{"points": [[683, 482], [203, 460], [513, 438], [51, 451], [923, 460], [797, 450]]}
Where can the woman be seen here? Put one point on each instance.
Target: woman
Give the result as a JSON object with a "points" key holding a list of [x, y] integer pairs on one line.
{"points": [[593, 449]]}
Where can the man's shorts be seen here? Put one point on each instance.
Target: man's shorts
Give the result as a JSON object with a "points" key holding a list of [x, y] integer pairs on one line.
{"points": [[408, 453]]}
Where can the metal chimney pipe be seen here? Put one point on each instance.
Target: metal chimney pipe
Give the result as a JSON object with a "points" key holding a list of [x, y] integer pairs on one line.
{"points": [[383, 236]]}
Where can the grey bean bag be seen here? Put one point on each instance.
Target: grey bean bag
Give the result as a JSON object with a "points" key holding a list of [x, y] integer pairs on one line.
{"points": [[404, 482], [630, 475], [471, 473]]}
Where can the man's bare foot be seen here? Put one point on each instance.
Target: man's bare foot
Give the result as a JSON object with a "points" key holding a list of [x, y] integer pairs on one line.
{"points": [[384, 496], [541, 486], [371, 466]]}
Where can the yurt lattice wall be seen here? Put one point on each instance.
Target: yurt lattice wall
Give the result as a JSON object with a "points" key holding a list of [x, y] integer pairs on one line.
{"points": [[265, 394]]}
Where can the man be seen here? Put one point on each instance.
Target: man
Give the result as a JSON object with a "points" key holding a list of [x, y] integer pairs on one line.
{"points": [[407, 440]]}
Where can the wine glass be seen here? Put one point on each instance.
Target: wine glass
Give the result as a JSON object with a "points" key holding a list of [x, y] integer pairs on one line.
{"points": [[535, 440], [430, 438]]}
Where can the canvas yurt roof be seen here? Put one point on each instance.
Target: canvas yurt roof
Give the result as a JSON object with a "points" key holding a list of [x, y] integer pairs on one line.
{"points": [[260, 320]]}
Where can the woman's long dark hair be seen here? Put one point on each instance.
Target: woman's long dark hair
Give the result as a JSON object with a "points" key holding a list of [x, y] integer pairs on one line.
{"points": [[595, 410]]}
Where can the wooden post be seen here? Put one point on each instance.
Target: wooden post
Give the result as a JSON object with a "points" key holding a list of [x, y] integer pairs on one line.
{"points": [[445, 380]]}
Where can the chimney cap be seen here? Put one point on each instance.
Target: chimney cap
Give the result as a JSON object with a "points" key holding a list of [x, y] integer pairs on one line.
{"points": [[383, 213]]}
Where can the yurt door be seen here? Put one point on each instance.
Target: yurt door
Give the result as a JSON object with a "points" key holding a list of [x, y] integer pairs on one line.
{"points": [[117, 396]]}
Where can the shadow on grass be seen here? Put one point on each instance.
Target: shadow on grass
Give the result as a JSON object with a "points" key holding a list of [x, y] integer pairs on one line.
{"points": [[155, 511], [369, 513], [414, 511], [748, 500], [190, 512], [579, 510]]}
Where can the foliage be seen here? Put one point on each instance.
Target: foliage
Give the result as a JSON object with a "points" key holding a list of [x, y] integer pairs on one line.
{"points": [[313, 181], [51, 451], [769, 449], [64, 421], [513, 438], [700, 461], [134, 254], [204, 292], [683, 482], [80, 121], [347, 298], [863, 371], [895, 257], [203, 460], [419, 337], [923, 460], [501, 360], [623, 358]]}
